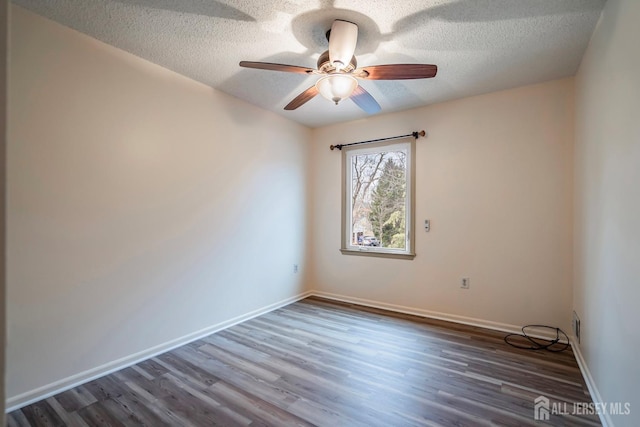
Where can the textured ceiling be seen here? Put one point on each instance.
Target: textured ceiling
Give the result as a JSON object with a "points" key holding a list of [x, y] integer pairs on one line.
{"points": [[479, 46]]}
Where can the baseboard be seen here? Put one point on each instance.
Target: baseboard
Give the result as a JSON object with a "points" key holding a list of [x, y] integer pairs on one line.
{"points": [[35, 395], [605, 418], [488, 324]]}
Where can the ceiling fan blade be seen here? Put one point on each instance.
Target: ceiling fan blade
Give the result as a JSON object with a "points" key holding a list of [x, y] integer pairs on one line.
{"points": [[299, 100], [342, 43], [397, 72], [277, 67], [364, 100]]}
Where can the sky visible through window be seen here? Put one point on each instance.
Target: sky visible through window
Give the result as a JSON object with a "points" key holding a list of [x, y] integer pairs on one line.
{"points": [[378, 199]]}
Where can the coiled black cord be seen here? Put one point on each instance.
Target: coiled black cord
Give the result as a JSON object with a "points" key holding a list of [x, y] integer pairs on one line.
{"points": [[539, 343]]}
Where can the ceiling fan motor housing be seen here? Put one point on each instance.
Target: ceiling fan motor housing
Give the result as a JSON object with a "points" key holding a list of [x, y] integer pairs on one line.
{"points": [[325, 66]]}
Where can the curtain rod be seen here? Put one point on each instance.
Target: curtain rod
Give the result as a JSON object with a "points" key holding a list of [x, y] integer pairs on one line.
{"points": [[416, 135]]}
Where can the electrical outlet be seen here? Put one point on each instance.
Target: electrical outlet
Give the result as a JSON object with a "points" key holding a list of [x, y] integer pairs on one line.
{"points": [[295, 268], [465, 283], [575, 323]]}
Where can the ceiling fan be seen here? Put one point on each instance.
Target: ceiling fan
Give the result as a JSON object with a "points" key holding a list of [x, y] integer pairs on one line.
{"points": [[339, 71]]}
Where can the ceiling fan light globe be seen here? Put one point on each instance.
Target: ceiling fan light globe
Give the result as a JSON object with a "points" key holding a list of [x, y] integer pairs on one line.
{"points": [[336, 87]]}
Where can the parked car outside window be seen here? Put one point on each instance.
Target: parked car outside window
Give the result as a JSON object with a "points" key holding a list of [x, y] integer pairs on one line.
{"points": [[370, 241]]}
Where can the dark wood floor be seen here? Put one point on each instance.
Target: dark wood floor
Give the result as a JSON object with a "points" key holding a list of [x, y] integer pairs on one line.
{"points": [[317, 362]]}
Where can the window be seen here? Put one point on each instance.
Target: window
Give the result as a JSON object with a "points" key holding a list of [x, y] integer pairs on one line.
{"points": [[377, 206]]}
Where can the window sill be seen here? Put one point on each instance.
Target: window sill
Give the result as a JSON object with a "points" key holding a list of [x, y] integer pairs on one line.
{"points": [[378, 254]]}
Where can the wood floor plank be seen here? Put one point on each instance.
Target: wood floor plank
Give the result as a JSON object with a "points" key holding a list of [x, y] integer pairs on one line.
{"points": [[260, 411], [17, 419], [76, 398], [97, 415], [326, 363], [42, 414], [69, 418]]}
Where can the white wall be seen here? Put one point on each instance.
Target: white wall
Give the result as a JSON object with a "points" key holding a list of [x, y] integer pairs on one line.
{"points": [[3, 132], [494, 176], [142, 206], [607, 206]]}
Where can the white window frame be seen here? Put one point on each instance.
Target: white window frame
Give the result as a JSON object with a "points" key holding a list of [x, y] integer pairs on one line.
{"points": [[347, 248]]}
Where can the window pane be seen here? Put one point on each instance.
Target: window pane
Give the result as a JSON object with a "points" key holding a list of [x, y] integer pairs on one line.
{"points": [[378, 199]]}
